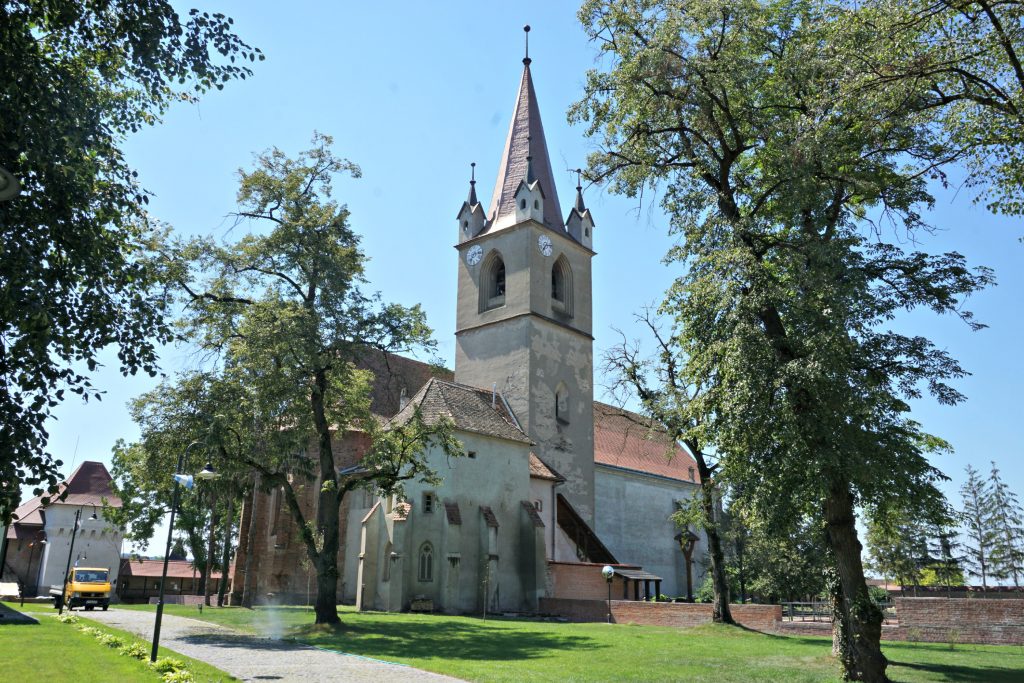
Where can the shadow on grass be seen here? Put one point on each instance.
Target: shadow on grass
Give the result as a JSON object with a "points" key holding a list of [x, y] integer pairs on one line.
{"points": [[463, 639], [969, 674], [14, 617], [232, 641]]}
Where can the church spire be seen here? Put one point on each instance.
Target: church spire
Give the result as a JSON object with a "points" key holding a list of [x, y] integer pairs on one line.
{"points": [[525, 153], [579, 206], [579, 223]]}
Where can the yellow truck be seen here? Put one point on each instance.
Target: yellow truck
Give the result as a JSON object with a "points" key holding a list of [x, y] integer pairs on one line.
{"points": [[87, 587]]}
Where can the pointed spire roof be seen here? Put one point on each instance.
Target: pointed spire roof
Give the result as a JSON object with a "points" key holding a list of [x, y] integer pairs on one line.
{"points": [[525, 139], [579, 205], [472, 200]]}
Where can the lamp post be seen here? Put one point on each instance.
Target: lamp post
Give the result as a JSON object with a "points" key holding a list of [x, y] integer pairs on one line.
{"points": [[187, 480], [608, 573], [71, 551]]}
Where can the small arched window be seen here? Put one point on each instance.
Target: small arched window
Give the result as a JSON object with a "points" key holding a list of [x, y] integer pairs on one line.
{"points": [[562, 403], [492, 282], [536, 204], [522, 203], [561, 286], [426, 568]]}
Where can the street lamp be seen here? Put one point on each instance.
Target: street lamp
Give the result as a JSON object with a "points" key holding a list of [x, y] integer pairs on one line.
{"points": [[188, 481], [608, 572], [71, 551]]}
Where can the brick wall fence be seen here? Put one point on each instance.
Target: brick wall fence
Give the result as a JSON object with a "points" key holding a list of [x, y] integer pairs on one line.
{"points": [[944, 620], [679, 614]]}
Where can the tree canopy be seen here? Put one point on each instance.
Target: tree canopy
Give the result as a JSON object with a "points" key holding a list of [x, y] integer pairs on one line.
{"points": [[75, 275]]}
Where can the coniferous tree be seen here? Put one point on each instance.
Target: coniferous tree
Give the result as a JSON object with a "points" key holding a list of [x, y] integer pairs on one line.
{"points": [[1007, 557], [978, 520], [945, 557]]}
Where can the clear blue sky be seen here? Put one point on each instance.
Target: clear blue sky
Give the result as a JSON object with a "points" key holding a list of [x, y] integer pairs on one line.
{"points": [[414, 92]]}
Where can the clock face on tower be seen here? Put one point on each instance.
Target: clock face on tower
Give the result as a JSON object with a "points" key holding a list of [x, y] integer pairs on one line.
{"points": [[474, 254], [544, 244]]}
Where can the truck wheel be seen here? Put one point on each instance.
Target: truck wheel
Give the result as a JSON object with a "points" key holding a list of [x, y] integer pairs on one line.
{"points": [[88, 608], [104, 608]]}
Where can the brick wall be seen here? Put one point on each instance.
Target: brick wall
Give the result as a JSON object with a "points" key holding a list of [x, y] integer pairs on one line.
{"points": [[583, 581], [943, 620], [677, 614]]}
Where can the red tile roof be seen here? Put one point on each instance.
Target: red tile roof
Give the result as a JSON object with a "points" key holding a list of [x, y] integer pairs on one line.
{"points": [[176, 569], [630, 441], [541, 470], [90, 484]]}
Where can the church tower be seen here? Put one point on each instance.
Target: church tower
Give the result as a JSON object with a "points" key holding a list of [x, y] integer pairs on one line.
{"points": [[523, 324]]}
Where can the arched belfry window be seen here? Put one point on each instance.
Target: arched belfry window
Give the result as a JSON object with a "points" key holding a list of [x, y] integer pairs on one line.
{"points": [[492, 282], [561, 286], [562, 403], [426, 567]]}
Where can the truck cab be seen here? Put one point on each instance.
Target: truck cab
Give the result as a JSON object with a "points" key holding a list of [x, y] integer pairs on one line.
{"points": [[87, 587]]}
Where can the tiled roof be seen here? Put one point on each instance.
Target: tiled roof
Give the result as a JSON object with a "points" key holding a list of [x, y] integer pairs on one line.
{"points": [[176, 569], [451, 511], [541, 470], [630, 441], [525, 138], [489, 517], [469, 408], [90, 484], [395, 375], [531, 512]]}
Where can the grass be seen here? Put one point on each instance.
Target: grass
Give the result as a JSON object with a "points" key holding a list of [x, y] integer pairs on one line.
{"points": [[53, 651], [517, 650]]}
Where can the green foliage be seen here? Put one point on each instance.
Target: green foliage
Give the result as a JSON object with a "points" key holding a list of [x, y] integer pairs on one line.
{"points": [[68, 618], [1007, 555], [167, 665], [76, 274], [878, 594], [136, 650], [960, 64], [774, 165], [979, 523], [282, 314]]}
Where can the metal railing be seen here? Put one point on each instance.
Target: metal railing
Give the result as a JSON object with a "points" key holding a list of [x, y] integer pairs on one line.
{"points": [[821, 611]]}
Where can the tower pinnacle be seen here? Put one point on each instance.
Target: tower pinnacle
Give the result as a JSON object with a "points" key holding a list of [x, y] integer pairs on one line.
{"points": [[526, 59]]}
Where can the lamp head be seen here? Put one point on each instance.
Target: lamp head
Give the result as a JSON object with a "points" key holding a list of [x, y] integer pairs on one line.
{"points": [[208, 473], [607, 572]]}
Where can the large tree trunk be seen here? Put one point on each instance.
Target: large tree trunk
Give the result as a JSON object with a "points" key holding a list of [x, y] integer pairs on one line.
{"points": [[250, 543], [720, 613], [208, 583], [859, 630], [327, 514], [225, 558]]}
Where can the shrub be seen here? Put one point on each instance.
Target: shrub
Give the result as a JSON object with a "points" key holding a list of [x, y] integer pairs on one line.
{"points": [[110, 640], [166, 665], [182, 676], [67, 618], [137, 650]]}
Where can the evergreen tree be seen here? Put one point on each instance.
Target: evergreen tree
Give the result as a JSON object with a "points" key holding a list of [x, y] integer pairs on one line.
{"points": [[1007, 558], [979, 521], [945, 559]]}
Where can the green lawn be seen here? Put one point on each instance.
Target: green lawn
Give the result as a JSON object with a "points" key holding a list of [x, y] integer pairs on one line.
{"points": [[53, 651], [517, 650]]}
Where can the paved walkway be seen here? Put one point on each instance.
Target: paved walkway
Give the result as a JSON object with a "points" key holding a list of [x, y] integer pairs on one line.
{"points": [[251, 658]]}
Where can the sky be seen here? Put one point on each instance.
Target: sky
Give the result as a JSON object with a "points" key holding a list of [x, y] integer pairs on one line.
{"points": [[413, 92]]}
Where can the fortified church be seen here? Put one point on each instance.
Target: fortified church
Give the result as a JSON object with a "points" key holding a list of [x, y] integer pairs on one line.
{"points": [[555, 485]]}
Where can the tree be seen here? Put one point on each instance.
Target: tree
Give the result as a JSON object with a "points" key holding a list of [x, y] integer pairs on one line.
{"points": [[771, 170], [979, 522], [962, 60], [898, 547], [665, 397], [285, 315], [74, 277], [1007, 555], [779, 564], [171, 417]]}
